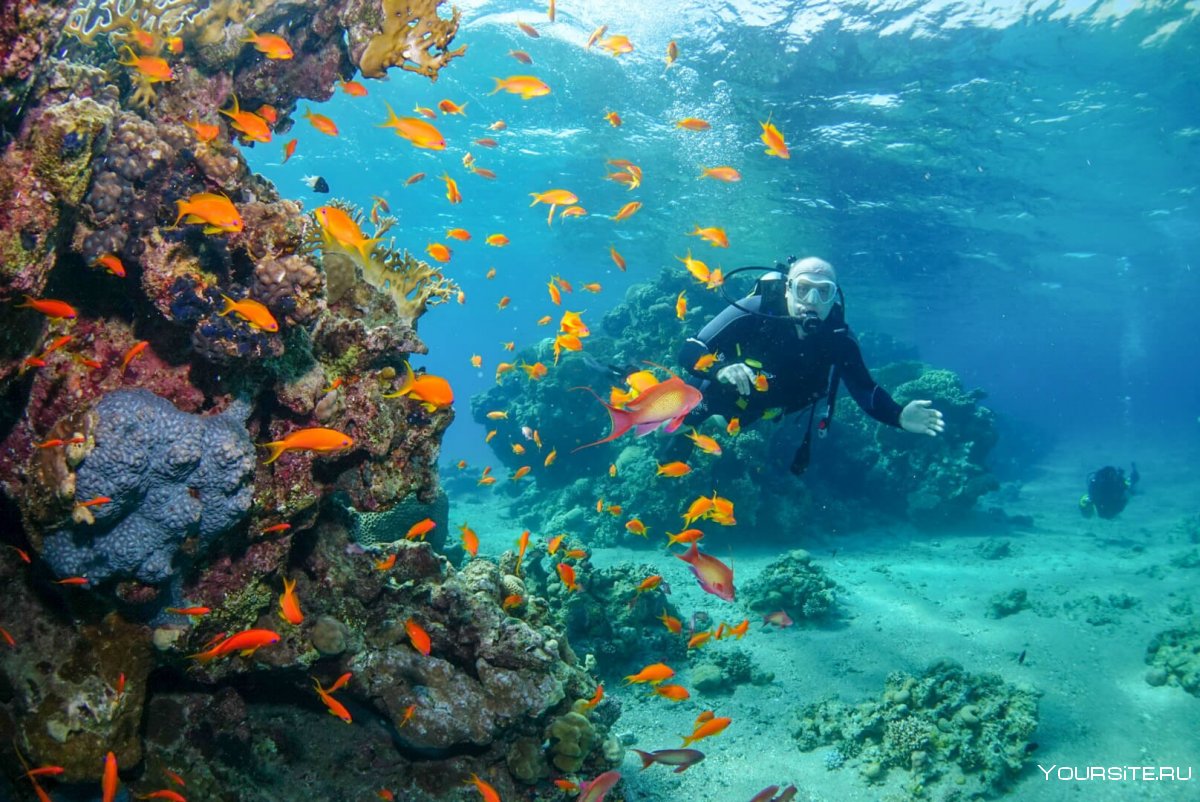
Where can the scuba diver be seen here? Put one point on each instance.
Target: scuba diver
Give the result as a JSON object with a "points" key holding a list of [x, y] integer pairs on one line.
{"points": [[1108, 491], [786, 348]]}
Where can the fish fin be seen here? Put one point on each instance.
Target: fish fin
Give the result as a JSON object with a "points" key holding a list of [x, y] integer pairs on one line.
{"points": [[277, 448], [643, 429], [647, 758], [366, 246], [675, 424], [229, 306]]}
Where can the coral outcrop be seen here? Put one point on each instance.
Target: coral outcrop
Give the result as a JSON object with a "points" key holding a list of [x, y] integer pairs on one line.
{"points": [[968, 733], [168, 477], [1174, 658], [794, 584], [409, 34]]}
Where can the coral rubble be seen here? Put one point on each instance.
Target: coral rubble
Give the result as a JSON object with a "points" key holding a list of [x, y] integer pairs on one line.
{"points": [[966, 733]]}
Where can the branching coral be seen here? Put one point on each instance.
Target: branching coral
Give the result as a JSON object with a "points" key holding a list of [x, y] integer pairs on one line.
{"points": [[91, 18], [412, 284], [413, 38]]}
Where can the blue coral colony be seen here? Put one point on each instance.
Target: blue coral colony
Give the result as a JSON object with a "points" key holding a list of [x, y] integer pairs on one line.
{"points": [[228, 488]]}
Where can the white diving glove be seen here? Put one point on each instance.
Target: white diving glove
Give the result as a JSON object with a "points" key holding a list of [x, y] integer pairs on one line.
{"points": [[739, 374]]}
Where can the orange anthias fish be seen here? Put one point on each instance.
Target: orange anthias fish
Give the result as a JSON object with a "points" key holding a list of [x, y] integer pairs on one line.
{"points": [[109, 782], [715, 577], [654, 674], [705, 443], [249, 124], [193, 611], [596, 34], [734, 426], [452, 193], [353, 88], [674, 469], [713, 236], [153, 68], [487, 792], [253, 312], [673, 624], [705, 362], [245, 643], [289, 604], [320, 122], [216, 212], [693, 124], [773, 139], [288, 149], [528, 29], [727, 174], [628, 210], [420, 133], [386, 564], [617, 258], [341, 228], [681, 305], [666, 402], [676, 693], [438, 251], [555, 198], [336, 708], [636, 527], [617, 44], [112, 263], [522, 546], [470, 540], [497, 240], [418, 637], [318, 439], [56, 310], [205, 132], [132, 353], [708, 728], [420, 529], [271, 45], [526, 86], [450, 107], [567, 574], [686, 536], [460, 234]]}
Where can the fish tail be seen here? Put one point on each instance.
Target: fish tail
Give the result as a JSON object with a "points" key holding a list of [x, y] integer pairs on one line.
{"points": [[207, 656], [28, 303], [230, 305], [132, 56], [499, 85], [647, 759], [182, 207], [392, 120], [621, 420], [366, 246], [277, 448]]}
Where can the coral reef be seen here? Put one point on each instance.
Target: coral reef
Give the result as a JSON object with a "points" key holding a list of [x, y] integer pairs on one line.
{"points": [[1009, 602], [721, 671], [792, 583], [928, 481], [1174, 658], [965, 732], [130, 428]]}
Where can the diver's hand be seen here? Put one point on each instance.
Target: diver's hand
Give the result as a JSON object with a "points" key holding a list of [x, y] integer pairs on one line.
{"points": [[919, 417], [740, 375]]}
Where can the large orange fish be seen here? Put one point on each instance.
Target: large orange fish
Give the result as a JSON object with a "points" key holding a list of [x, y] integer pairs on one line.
{"points": [[715, 577], [249, 124], [418, 637], [271, 45], [153, 68], [666, 402], [253, 312], [336, 708], [420, 133], [289, 603], [526, 86], [319, 439], [217, 212], [654, 674], [245, 643], [710, 727], [109, 782], [341, 228], [56, 310]]}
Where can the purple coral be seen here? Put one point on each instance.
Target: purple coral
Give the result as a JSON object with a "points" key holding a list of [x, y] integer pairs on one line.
{"points": [[170, 476]]}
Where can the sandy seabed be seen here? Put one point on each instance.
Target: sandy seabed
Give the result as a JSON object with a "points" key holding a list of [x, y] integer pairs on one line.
{"points": [[910, 598]]}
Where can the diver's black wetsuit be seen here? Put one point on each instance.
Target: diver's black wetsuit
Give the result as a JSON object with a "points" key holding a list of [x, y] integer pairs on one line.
{"points": [[798, 370]]}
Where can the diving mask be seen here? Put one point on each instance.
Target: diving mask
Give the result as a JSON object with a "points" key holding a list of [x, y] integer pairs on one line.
{"points": [[813, 291]]}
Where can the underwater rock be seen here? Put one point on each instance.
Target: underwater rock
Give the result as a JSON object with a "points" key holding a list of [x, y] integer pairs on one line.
{"points": [[63, 699], [792, 583], [1174, 657], [967, 733], [1010, 602], [169, 477]]}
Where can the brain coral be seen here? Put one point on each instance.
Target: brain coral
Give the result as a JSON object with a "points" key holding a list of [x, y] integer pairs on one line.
{"points": [[170, 476]]}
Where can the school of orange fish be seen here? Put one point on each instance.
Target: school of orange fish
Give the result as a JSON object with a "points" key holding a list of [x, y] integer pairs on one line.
{"points": [[645, 405]]}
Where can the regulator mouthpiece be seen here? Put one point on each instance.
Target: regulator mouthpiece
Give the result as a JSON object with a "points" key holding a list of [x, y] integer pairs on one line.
{"points": [[810, 321]]}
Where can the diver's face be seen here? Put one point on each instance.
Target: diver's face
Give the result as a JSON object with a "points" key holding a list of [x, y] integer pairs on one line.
{"points": [[811, 294]]}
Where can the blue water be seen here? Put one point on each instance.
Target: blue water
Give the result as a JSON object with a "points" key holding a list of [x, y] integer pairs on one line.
{"points": [[1010, 187]]}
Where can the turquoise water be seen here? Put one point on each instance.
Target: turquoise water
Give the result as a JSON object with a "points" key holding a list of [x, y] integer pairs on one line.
{"points": [[1010, 187]]}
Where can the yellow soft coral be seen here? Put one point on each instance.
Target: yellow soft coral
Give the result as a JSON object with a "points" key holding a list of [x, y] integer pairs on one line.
{"points": [[412, 32], [412, 284], [91, 18]]}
